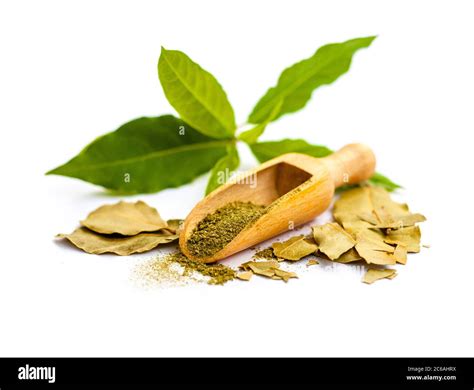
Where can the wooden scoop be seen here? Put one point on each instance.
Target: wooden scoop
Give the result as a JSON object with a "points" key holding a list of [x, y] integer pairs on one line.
{"points": [[295, 187]]}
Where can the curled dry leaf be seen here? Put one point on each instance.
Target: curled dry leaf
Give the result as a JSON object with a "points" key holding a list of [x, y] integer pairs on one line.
{"points": [[333, 241], [124, 218], [270, 269], [95, 243], [376, 243], [356, 227], [350, 256], [246, 275], [409, 237], [283, 275], [174, 225], [400, 254], [372, 256], [383, 205], [374, 274], [351, 204], [374, 251], [260, 264], [294, 249], [399, 222]]}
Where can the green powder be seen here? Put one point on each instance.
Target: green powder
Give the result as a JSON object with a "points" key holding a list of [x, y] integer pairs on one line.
{"points": [[176, 269], [266, 254], [216, 230], [217, 273]]}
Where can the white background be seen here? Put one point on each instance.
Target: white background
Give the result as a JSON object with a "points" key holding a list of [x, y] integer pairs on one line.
{"points": [[72, 70]]}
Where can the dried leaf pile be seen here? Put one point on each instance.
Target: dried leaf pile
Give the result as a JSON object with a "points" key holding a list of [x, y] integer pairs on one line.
{"points": [[369, 227], [123, 228]]}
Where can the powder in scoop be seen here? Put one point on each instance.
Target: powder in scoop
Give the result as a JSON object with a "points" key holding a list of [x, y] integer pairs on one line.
{"points": [[216, 230]]}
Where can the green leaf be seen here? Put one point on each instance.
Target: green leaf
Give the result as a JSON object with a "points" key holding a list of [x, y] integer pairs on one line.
{"points": [[251, 136], [145, 155], [382, 181], [196, 95], [297, 83], [223, 169], [267, 150]]}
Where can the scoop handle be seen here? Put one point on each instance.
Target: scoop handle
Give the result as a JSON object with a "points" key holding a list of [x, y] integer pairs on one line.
{"points": [[351, 164]]}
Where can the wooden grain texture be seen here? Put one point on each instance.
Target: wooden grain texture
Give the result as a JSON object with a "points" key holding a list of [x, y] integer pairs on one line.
{"points": [[295, 187]]}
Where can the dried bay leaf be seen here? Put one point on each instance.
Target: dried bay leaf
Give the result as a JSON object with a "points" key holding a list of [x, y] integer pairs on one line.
{"points": [[400, 221], [350, 256], [264, 268], [333, 241], [372, 256], [270, 269], [382, 203], [376, 243], [246, 275], [263, 272], [260, 264], [374, 274], [124, 218], [351, 204], [374, 251], [409, 237], [294, 249], [284, 275], [400, 254], [356, 227], [95, 243], [369, 217], [174, 225]]}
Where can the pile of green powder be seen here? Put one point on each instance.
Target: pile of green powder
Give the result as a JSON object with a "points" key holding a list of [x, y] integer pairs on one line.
{"points": [[266, 254], [216, 230], [218, 273], [176, 268]]}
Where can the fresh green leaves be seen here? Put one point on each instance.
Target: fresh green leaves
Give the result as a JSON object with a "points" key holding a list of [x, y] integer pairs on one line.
{"points": [[196, 95], [223, 169], [297, 83], [267, 150], [151, 154], [382, 181], [146, 155], [251, 136]]}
